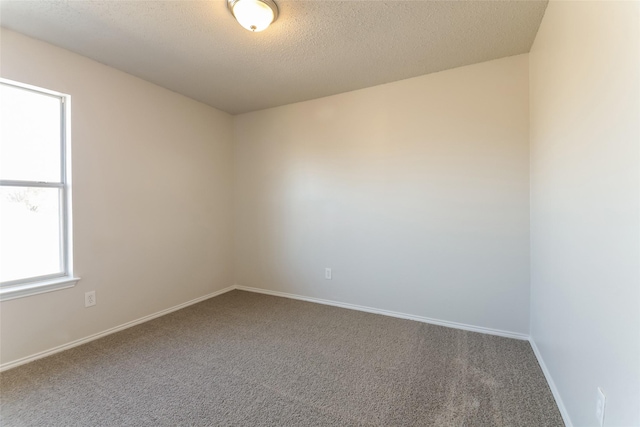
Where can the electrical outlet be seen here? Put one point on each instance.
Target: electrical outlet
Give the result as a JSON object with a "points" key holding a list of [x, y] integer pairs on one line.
{"points": [[327, 273], [600, 401], [89, 298]]}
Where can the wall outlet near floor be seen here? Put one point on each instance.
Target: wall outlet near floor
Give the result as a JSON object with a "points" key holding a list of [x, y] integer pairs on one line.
{"points": [[327, 273], [600, 401], [89, 298]]}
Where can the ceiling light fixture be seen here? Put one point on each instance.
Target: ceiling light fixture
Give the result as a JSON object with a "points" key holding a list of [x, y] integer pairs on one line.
{"points": [[254, 15]]}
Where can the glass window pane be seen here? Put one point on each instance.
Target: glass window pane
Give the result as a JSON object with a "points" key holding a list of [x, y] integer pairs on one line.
{"points": [[29, 232], [29, 135]]}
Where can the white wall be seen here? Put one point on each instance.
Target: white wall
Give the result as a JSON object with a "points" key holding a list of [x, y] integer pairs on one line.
{"points": [[585, 136], [416, 193], [152, 199]]}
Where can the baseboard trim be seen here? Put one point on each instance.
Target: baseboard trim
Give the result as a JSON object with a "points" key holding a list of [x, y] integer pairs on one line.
{"points": [[422, 319], [552, 384], [446, 323], [63, 347]]}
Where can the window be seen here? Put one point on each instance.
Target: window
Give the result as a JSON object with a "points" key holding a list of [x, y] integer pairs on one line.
{"points": [[35, 192]]}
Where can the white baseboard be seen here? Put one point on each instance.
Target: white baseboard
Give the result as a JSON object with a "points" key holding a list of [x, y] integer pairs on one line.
{"points": [[482, 330], [422, 319], [552, 384], [58, 349]]}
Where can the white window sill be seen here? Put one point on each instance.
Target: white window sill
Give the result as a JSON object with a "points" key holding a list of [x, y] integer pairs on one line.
{"points": [[34, 288]]}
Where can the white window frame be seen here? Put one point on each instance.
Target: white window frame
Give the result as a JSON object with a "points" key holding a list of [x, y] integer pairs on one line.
{"points": [[37, 285]]}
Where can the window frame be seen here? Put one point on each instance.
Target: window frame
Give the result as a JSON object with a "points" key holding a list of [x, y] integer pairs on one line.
{"points": [[65, 279]]}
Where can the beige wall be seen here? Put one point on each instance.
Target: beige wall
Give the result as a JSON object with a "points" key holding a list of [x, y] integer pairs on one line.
{"points": [[585, 247], [415, 193], [152, 175]]}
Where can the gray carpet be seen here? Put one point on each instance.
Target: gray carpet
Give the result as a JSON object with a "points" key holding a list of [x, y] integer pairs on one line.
{"points": [[244, 359]]}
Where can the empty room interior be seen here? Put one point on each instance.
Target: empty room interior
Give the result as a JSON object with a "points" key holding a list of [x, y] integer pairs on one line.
{"points": [[320, 213]]}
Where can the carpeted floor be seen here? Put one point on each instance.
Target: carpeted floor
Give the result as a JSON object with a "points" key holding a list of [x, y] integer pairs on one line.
{"points": [[244, 359]]}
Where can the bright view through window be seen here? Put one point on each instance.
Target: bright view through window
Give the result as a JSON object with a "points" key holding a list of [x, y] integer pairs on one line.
{"points": [[34, 241]]}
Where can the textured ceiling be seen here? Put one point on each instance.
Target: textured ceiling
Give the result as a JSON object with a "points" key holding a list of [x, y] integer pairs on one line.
{"points": [[314, 49]]}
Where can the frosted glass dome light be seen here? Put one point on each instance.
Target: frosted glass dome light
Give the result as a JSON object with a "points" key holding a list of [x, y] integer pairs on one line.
{"points": [[254, 15]]}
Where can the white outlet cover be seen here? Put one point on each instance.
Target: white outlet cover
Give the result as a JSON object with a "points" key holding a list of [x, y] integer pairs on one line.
{"points": [[600, 403], [327, 273], [89, 298]]}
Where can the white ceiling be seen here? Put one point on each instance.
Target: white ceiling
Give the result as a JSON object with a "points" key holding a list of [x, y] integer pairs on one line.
{"points": [[315, 48]]}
